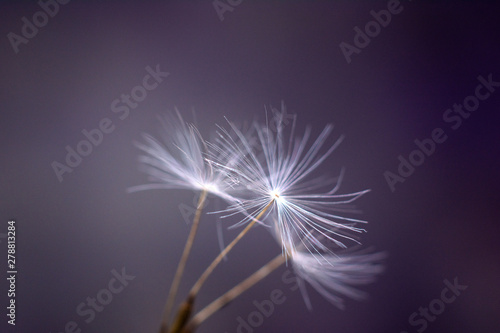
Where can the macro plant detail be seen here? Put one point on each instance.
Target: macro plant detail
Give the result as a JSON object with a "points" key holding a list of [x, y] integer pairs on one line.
{"points": [[282, 176], [266, 176]]}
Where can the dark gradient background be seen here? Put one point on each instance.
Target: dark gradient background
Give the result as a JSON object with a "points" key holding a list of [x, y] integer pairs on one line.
{"points": [[441, 223]]}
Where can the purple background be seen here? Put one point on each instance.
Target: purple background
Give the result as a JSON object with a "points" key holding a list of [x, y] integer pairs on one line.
{"points": [[441, 223]]}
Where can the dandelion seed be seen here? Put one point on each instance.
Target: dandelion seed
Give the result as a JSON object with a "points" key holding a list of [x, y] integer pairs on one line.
{"points": [[278, 167], [337, 276], [180, 161]]}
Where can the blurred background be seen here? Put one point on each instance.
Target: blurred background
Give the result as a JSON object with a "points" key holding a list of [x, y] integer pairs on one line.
{"points": [[231, 59]]}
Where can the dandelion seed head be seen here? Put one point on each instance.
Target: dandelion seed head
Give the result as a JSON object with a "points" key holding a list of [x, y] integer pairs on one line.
{"points": [[179, 160], [273, 164]]}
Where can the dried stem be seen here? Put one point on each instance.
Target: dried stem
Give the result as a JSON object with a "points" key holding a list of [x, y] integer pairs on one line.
{"points": [[236, 291], [182, 263], [197, 286], [186, 308]]}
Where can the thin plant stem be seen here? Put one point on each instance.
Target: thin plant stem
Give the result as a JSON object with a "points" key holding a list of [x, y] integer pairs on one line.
{"points": [[197, 286], [182, 263], [236, 291], [186, 308]]}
